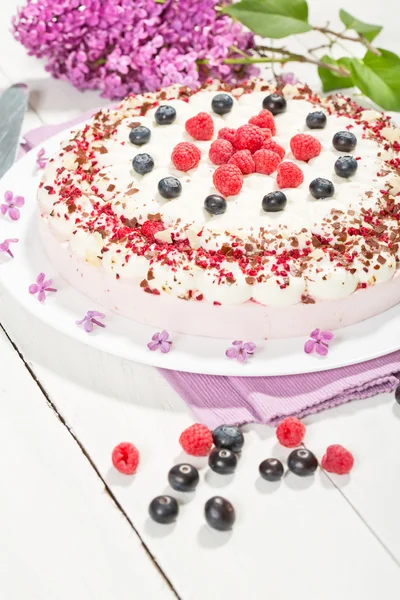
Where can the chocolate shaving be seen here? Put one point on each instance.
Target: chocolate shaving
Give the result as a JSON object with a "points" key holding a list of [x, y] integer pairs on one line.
{"points": [[131, 192]]}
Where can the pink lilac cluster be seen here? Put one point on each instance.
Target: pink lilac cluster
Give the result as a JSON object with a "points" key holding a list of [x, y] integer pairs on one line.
{"points": [[132, 46]]}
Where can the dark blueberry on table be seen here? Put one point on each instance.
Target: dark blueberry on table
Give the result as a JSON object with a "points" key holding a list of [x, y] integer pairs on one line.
{"points": [[271, 469], [222, 104], [169, 187], [316, 120], [275, 103], [139, 135], [321, 188], [346, 166], [274, 202], [215, 205], [302, 462], [222, 461], [219, 513], [344, 141], [183, 478], [143, 163], [397, 394], [165, 115], [163, 509], [228, 436]]}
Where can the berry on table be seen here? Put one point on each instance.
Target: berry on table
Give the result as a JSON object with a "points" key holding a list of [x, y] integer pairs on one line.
{"points": [[183, 478], [304, 146], [196, 440], [219, 513], [337, 460], [143, 163], [169, 187], [274, 147], [289, 175], [344, 141], [125, 458], [220, 152], [274, 201], [163, 509], [248, 137], [266, 161], [316, 120], [290, 432], [321, 188], [222, 461], [215, 205], [227, 133], [275, 103], [271, 469], [302, 462], [222, 104], [228, 180], [149, 228], [244, 160], [200, 127], [139, 135], [346, 166], [228, 436], [165, 114], [185, 156], [264, 120]]}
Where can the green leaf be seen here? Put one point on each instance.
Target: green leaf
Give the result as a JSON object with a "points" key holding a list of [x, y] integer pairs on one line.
{"points": [[378, 78], [272, 18], [368, 31], [331, 81]]}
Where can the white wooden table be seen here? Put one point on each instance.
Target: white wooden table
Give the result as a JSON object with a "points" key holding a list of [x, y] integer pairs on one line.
{"points": [[72, 527]]}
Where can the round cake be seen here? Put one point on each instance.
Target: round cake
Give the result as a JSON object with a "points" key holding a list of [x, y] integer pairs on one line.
{"points": [[237, 212]]}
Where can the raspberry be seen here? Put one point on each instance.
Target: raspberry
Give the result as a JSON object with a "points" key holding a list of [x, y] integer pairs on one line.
{"points": [[337, 460], [185, 156], [226, 133], [289, 175], [244, 160], [266, 133], [272, 145], [248, 137], [200, 127], [125, 458], [196, 440], [149, 228], [266, 161], [220, 152], [305, 146], [265, 120], [290, 432], [228, 180]]}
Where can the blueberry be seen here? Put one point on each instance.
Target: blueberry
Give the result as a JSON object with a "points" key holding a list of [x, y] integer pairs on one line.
{"points": [[321, 188], [274, 202], [222, 461], [302, 462], [316, 120], [163, 509], [228, 436], [143, 163], [397, 394], [215, 205], [344, 141], [139, 135], [219, 513], [346, 166], [183, 478], [222, 104], [271, 469], [165, 115], [275, 103], [169, 187]]}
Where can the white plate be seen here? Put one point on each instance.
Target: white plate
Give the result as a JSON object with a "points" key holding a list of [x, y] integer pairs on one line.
{"points": [[122, 337]]}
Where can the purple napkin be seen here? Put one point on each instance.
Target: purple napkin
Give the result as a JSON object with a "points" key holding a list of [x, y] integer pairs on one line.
{"points": [[217, 399]]}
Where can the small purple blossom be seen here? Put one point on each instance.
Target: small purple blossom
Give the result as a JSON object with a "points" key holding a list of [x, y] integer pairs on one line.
{"points": [[11, 205], [288, 78], [41, 287], [160, 341], [319, 342], [5, 246], [41, 159], [240, 350], [90, 319]]}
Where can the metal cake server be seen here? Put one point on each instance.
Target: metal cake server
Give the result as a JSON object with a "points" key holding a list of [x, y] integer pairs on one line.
{"points": [[13, 104]]}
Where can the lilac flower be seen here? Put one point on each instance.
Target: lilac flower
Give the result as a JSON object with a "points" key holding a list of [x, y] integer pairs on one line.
{"points": [[288, 78], [240, 350], [12, 203], [41, 159], [160, 341], [90, 319], [319, 342], [5, 246], [41, 287]]}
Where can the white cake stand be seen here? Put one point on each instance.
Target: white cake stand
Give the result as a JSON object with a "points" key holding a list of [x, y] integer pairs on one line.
{"points": [[122, 337]]}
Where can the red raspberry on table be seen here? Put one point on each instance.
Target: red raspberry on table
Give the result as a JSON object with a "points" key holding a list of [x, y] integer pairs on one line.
{"points": [[244, 160], [125, 458], [337, 460], [248, 137], [290, 432], [272, 145], [149, 228], [265, 120], [289, 175], [200, 127], [228, 180], [305, 146], [227, 133], [266, 161], [220, 152], [185, 156], [196, 440]]}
